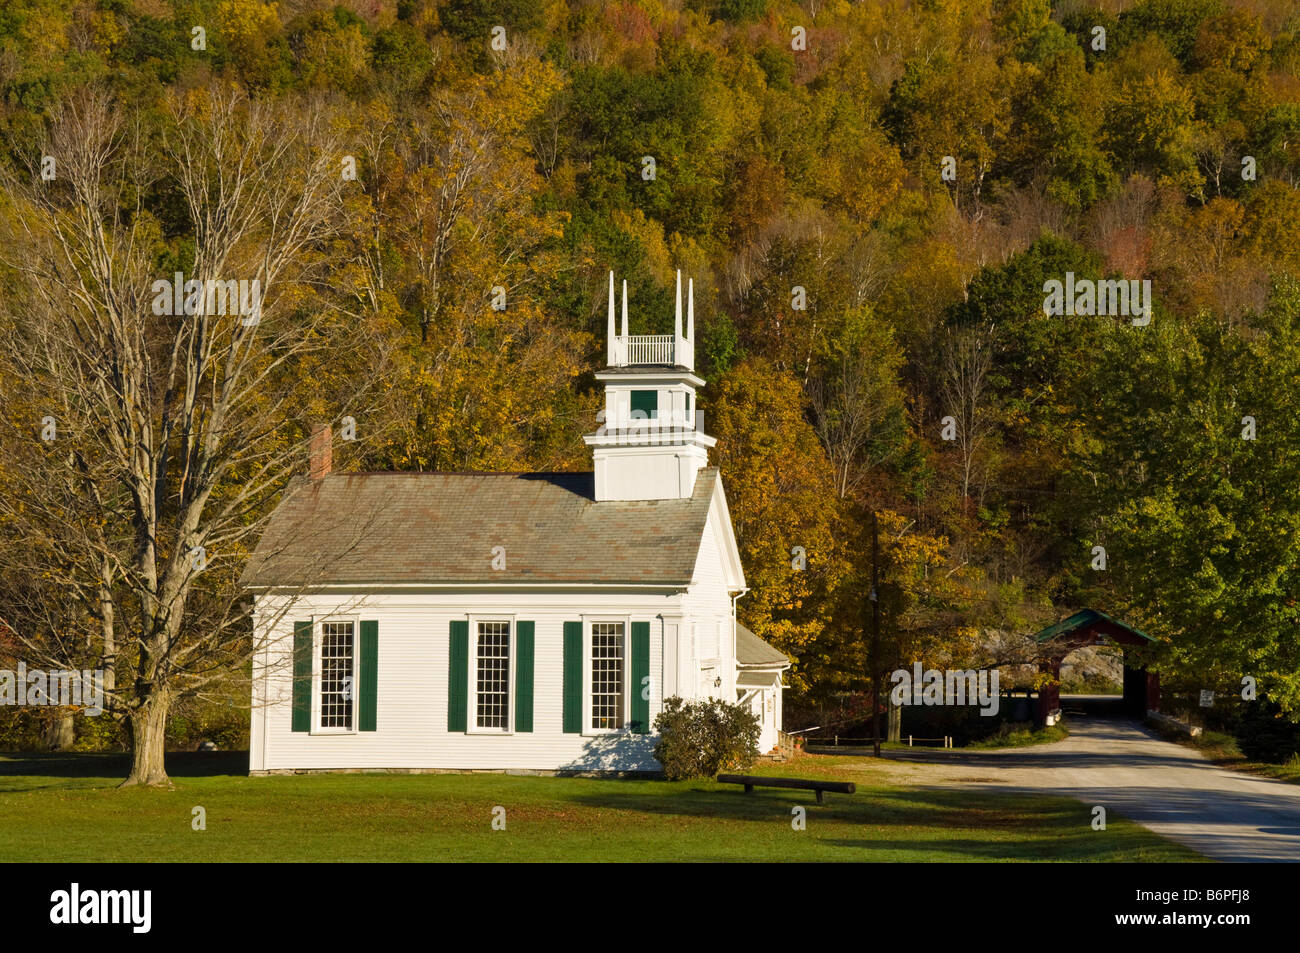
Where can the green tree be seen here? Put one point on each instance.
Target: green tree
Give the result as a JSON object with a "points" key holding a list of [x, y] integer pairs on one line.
{"points": [[1198, 507], [1055, 131]]}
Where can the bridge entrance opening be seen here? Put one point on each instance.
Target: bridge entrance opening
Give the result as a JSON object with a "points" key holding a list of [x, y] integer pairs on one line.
{"points": [[1092, 628]]}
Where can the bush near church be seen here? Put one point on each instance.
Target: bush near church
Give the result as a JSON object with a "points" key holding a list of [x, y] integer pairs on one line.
{"points": [[700, 738]]}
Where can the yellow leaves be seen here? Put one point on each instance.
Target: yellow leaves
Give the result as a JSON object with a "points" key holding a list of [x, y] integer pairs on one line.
{"points": [[196, 104], [336, 58], [508, 100], [241, 21], [108, 29], [649, 234], [780, 492], [1042, 680], [555, 17]]}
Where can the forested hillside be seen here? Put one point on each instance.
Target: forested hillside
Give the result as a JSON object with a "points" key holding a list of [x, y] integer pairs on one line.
{"points": [[871, 198]]}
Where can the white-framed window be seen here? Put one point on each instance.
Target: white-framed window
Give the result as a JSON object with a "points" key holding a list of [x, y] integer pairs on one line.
{"points": [[606, 661], [334, 681], [491, 675]]}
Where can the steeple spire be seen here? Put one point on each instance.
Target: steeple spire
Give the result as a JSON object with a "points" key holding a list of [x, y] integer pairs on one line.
{"points": [[688, 359], [611, 349], [677, 318]]}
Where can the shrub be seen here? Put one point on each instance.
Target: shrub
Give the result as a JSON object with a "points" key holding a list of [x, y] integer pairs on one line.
{"points": [[100, 733], [698, 739], [1019, 734], [1266, 734], [20, 729], [223, 722]]}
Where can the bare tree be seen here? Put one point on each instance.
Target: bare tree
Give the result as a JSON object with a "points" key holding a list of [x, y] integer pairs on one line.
{"points": [[169, 433], [967, 358], [468, 177], [802, 248], [858, 406]]}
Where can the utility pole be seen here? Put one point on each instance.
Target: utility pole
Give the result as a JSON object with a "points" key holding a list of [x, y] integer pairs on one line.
{"points": [[875, 635]]}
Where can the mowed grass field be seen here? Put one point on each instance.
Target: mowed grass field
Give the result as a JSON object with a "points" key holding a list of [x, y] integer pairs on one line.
{"points": [[66, 808]]}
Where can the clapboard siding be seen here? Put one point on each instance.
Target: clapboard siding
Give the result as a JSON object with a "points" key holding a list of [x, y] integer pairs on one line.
{"points": [[708, 604], [412, 686]]}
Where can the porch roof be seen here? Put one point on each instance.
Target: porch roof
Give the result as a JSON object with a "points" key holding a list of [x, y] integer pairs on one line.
{"points": [[753, 653]]}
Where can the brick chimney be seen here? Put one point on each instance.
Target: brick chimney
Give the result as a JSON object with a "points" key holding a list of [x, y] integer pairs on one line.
{"points": [[321, 457]]}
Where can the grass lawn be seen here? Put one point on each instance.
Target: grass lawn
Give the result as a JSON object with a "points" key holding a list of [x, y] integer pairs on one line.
{"points": [[65, 808], [1010, 735], [1020, 736]]}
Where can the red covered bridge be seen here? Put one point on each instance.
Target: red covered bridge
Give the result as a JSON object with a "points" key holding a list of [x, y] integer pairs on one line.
{"points": [[1086, 628]]}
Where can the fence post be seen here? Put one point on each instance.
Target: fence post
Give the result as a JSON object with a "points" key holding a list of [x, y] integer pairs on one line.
{"points": [[909, 741]]}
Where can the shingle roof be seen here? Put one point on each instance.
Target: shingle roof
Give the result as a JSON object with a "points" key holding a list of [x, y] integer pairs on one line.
{"points": [[751, 651], [1090, 619], [412, 528]]}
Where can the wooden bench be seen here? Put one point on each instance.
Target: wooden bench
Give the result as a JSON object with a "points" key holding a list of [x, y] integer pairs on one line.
{"points": [[750, 781]]}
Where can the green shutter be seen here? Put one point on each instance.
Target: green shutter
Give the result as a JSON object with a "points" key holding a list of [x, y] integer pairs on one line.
{"points": [[368, 683], [458, 675], [302, 676], [572, 677], [646, 401], [640, 677], [523, 676]]}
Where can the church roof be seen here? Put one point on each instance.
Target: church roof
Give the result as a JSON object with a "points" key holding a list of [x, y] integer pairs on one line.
{"points": [[369, 529]]}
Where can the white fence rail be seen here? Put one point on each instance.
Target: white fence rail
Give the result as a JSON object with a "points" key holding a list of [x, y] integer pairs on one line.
{"points": [[649, 348]]}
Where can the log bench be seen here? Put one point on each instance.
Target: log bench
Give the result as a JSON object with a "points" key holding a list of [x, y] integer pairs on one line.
{"points": [[750, 781]]}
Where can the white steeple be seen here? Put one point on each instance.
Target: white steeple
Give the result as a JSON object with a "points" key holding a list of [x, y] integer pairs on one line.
{"points": [[651, 443]]}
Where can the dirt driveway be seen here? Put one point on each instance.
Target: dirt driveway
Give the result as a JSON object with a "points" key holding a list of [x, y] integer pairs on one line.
{"points": [[1127, 769]]}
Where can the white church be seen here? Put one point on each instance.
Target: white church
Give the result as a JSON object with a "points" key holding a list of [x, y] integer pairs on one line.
{"points": [[510, 621]]}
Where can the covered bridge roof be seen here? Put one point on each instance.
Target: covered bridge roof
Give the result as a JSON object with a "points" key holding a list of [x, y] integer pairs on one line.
{"points": [[1091, 622]]}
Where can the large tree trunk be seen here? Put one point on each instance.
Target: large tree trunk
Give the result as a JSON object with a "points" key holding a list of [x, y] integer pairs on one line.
{"points": [[58, 733], [148, 724], [895, 729]]}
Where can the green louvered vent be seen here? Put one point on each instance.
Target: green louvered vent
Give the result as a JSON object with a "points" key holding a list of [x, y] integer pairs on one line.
{"points": [[647, 402]]}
